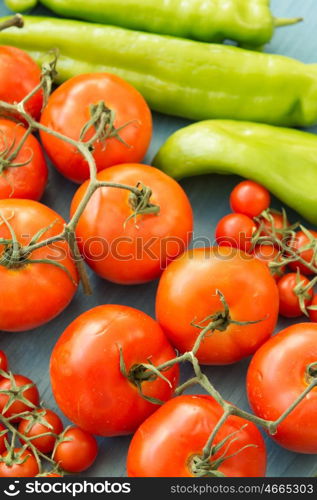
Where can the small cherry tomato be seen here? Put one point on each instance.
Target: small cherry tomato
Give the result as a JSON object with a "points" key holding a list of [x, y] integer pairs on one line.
{"points": [[270, 255], [78, 452], [69, 109], [169, 441], [20, 386], [313, 312], [19, 75], [41, 423], [28, 180], [290, 306], [235, 231], [278, 374], [299, 241], [22, 464], [3, 437], [250, 198]]}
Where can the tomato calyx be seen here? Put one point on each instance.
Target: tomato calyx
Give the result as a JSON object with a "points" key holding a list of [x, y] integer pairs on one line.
{"points": [[140, 202], [15, 456], [15, 393], [311, 373], [302, 292], [11, 151]]}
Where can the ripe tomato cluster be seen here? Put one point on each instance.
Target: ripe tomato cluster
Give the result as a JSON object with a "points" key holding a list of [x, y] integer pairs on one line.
{"points": [[40, 432]]}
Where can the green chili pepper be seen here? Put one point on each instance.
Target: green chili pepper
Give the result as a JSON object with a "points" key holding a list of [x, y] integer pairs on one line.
{"points": [[283, 160], [245, 21], [179, 77]]}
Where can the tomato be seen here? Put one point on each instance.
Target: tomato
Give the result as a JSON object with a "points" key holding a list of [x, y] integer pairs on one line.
{"points": [[187, 293], [34, 293], [41, 424], [250, 198], [3, 362], [236, 231], [289, 300], [166, 443], [277, 376], [277, 224], [3, 437], [270, 254], [87, 382], [78, 452], [312, 312], [19, 75], [134, 251], [27, 181], [68, 110], [31, 394], [301, 240], [29, 467]]}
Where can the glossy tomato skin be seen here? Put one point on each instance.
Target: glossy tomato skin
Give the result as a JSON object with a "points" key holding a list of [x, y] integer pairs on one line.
{"points": [[44, 444], [85, 369], [136, 251], [277, 376], [250, 198], [289, 301], [19, 75], [3, 438], [78, 452], [3, 362], [235, 231], [68, 110], [187, 292], [34, 294], [165, 443], [301, 240], [27, 469], [28, 181], [31, 394], [312, 312]]}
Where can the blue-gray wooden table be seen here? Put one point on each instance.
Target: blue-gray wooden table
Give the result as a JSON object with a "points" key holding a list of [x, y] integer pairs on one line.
{"points": [[29, 352]]}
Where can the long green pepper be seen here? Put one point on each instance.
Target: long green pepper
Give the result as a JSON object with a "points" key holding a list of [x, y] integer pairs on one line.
{"points": [[179, 77], [249, 22], [283, 160]]}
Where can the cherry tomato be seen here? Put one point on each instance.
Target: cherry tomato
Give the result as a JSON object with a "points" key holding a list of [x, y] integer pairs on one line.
{"points": [[15, 468], [31, 394], [250, 198], [270, 254], [26, 181], [289, 301], [78, 452], [277, 375], [167, 442], [235, 231], [50, 422], [187, 293], [19, 75], [3, 362], [34, 293], [3, 437], [68, 110], [299, 241], [276, 223], [136, 250], [312, 312], [87, 382]]}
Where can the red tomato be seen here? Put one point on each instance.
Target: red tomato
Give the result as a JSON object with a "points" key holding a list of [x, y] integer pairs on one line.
{"points": [[136, 251], [3, 362], [31, 394], [277, 224], [289, 301], [27, 181], [19, 75], [68, 110], [312, 312], [78, 452], [277, 376], [187, 292], [301, 240], [235, 231], [41, 424], [250, 198], [85, 369], [3, 438], [166, 443], [32, 294], [269, 254], [13, 468]]}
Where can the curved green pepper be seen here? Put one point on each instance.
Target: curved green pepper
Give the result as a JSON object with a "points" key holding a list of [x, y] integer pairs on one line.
{"points": [[245, 21], [283, 160], [179, 77]]}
